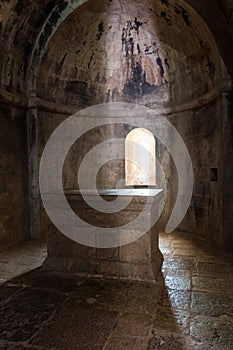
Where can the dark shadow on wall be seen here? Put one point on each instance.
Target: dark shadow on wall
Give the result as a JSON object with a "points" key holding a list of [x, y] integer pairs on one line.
{"points": [[13, 176]]}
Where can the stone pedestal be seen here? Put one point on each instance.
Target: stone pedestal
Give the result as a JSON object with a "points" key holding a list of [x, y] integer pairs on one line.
{"points": [[139, 260]]}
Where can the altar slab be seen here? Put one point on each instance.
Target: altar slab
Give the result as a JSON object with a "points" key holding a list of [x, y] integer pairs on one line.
{"points": [[138, 260]]}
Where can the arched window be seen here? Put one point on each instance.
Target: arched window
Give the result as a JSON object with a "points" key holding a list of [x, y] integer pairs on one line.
{"points": [[140, 158]]}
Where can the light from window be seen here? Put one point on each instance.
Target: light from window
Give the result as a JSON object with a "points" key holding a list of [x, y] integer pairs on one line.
{"points": [[140, 158]]}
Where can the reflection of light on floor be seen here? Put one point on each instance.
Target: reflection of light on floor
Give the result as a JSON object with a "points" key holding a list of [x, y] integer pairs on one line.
{"points": [[197, 278], [189, 308], [20, 259]]}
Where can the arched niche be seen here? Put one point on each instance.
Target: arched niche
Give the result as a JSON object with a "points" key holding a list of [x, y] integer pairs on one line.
{"points": [[140, 167], [159, 56]]}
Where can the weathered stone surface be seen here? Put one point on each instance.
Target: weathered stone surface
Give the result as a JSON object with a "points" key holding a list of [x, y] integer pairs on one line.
{"points": [[127, 343], [139, 271], [220, 285], [133, 325], [14, 221], [23, 315], [217, 332], [111, 291], [166, 342], [44, 310], [78, 326], [138, 67], [177, 282], [56, 282], [137, 252], [212, 304], [58, 57], [180, 263], [211, 268], [139, 260], [6, 292], [147, 69], [19, 260], [108, 254], [173, 320], [153, 66], [176, 299]]}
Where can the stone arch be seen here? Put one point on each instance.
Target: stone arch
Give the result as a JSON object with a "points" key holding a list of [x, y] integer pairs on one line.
{"points": [[56, 17], [188, 93]]}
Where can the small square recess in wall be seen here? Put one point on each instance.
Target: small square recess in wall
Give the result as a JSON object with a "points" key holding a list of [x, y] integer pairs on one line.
{"points": [[214, 174]]}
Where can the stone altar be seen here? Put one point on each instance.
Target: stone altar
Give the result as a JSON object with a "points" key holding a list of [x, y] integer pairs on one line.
{"points": [[139, 260]]}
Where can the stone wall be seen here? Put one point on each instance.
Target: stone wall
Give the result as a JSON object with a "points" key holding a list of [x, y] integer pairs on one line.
{"points": [[126, 54], [226, 7], [160, 54], [14, 218], [201, 131]]}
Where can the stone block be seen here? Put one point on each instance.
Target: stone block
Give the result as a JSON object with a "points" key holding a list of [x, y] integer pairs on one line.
{"points": [[136, 252], [130, 271]]}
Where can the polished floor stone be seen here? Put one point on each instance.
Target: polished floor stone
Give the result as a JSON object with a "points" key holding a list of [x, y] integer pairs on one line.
{"points": [[190, 307]]}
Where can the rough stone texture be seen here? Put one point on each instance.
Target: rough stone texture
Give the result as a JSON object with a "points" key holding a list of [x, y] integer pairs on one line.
{"points": [[83, 71], [226, 7], [6, 292], [205, 214], [21, 317], [166, 342], [22, 24], [140, 259], [157, 54], [14, 220], [47, 311], [81, 320], [192, 308], [21, 259], [140, 64]]}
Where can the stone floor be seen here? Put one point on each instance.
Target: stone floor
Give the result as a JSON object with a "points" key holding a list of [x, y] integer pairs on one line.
{"points": [[190, 306]]}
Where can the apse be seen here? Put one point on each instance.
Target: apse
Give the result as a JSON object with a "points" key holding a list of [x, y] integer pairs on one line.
{"points": [[156, 54]]}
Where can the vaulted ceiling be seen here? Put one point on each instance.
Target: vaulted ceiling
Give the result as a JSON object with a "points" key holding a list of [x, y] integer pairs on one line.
{"points": [[26, 28], [152, 53]]}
